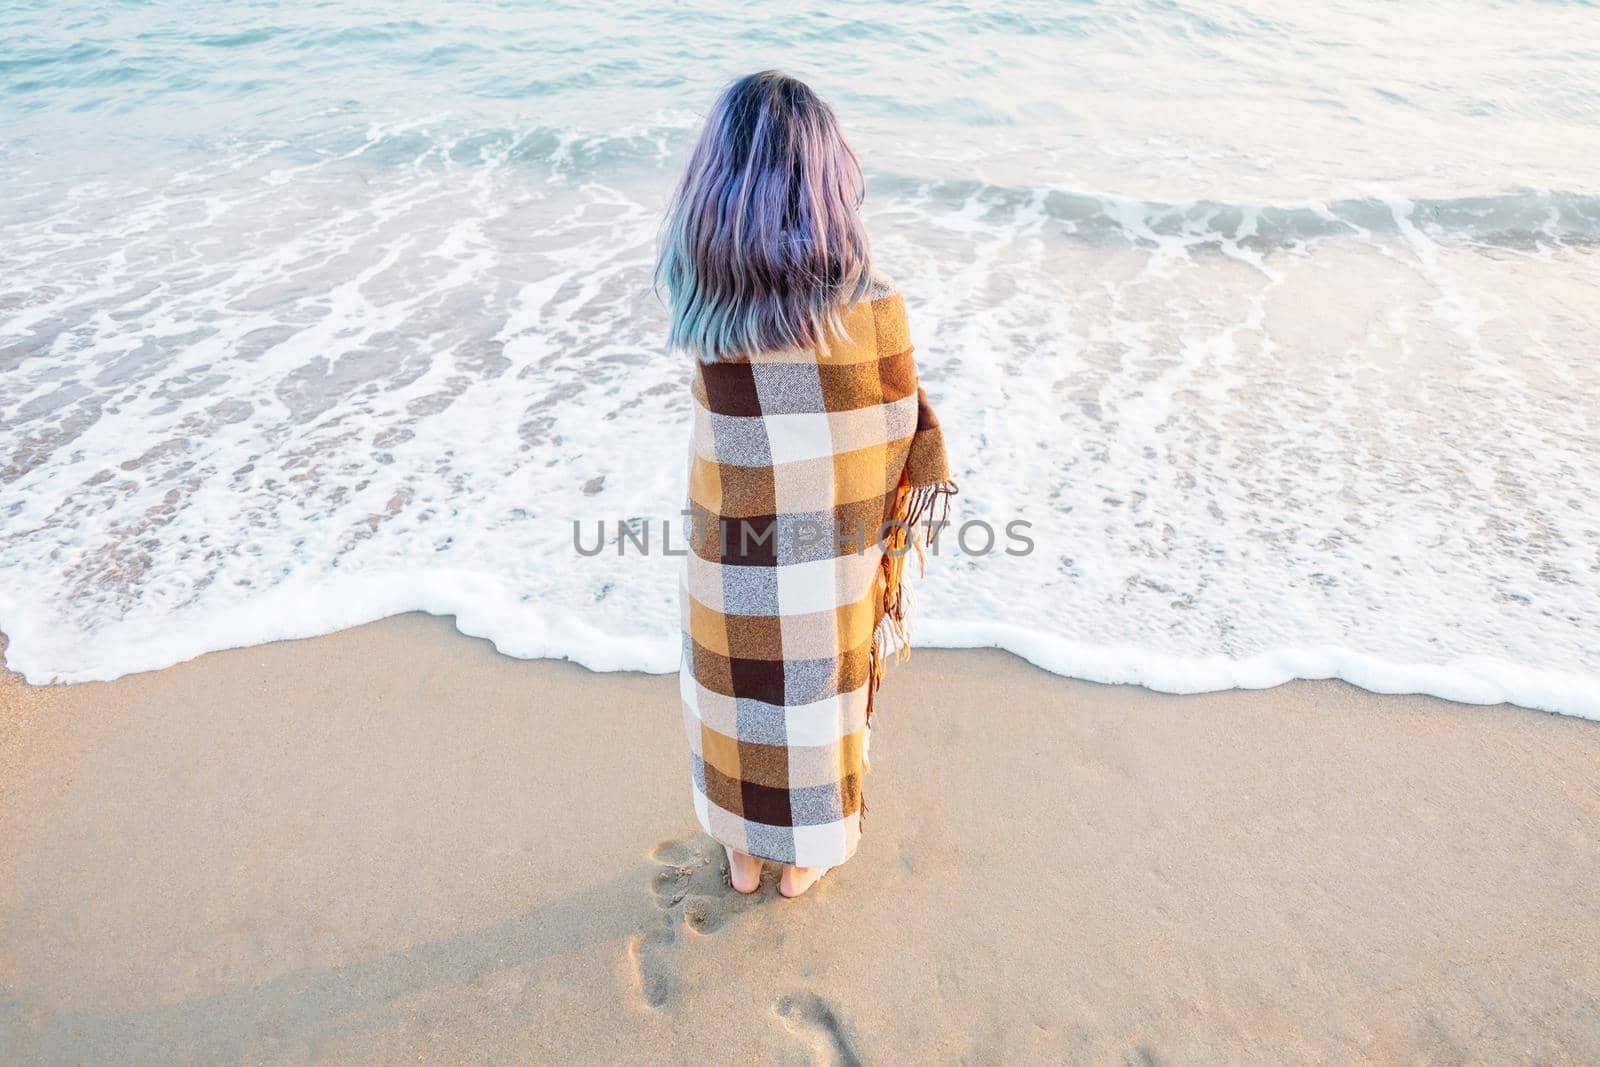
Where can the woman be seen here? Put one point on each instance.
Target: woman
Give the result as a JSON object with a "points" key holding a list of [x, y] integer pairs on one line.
{"points": [[815, 458]]}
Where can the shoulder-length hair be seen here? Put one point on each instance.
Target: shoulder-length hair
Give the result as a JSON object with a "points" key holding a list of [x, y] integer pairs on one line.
{"points": [[763, 243]]}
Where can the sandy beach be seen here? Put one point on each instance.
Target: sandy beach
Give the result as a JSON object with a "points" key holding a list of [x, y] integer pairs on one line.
{"points": [[393, 843], [1256, 337]]}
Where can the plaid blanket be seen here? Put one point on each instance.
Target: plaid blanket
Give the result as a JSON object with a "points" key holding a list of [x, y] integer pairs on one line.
{"points": [[811, 477]]}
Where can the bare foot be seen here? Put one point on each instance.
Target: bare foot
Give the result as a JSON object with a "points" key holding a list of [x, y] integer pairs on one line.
{"points": [[743, 871], [797, 880]]}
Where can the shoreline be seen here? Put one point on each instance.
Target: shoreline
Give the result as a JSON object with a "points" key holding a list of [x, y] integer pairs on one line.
{"points": [[393, 842], [1477, 681]]}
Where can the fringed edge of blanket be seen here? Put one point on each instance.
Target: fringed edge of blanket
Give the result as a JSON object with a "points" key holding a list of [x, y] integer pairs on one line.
{"points": [[914, 508]]}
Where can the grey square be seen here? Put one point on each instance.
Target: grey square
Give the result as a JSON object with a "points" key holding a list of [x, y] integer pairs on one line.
{"points": [[740, 440], [749, 590], [808, 680], [775, 843], [816, 805], [806, 536], [788, 388], [900, 419], [760, 722]]}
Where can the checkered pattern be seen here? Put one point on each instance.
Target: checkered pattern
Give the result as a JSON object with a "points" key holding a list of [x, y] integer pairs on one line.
{"points": [[799, 460]]}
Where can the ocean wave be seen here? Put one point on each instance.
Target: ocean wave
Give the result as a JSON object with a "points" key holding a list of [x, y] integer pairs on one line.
{"points": [[1520, 218], [480, 607], [1512, 219], [284, 349], [285, 392]]}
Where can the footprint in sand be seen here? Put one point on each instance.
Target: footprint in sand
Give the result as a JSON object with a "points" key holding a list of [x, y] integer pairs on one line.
{"points": [[692, 892], [813, 1019]]}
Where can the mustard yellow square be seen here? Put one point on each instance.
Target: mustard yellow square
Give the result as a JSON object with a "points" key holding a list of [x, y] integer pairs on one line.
{"points": [[709, 628]]}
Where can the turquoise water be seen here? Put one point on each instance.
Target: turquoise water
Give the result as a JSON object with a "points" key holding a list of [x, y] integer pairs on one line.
{"points": [[1277, 100], [1277, 322]]}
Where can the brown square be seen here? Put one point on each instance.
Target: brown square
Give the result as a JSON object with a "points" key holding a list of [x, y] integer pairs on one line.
{"points": [[899, 376], [926, 419], [766, 765], [758, 679], [850, 794], [848, 386], [724, 790], [755, 637], [713, 671], [747, 491], [855, 665], [856, 524], [765, 804], [751, 541], [705, 533], [730, 388]]}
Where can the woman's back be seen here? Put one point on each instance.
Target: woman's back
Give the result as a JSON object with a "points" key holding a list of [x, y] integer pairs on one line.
{"points": [[814, 455], [800, 458], [855, 403]]}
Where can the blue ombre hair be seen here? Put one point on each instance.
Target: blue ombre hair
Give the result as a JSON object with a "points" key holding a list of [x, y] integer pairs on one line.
{"points": [[763, 244]]}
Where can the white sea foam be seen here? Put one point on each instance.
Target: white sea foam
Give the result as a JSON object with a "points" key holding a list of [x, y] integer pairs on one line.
{"points": [[1267, 418]]}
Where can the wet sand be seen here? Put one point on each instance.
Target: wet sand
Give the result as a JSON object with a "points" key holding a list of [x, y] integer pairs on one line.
{"points": [[392, 843]]}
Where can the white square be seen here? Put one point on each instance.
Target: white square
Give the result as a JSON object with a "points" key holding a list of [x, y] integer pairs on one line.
{"points": [[854, 573], [805, 485], [901, 418], [704, 436], [812, 635], [807, 587], [859, 427], [799, 436], [717, 710], [824, 722], [725, 826], [703, 579], [822, 846], [689, 690], [691, 728]]}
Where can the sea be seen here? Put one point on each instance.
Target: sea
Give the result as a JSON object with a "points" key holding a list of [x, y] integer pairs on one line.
{"points": [[1275, 326]]}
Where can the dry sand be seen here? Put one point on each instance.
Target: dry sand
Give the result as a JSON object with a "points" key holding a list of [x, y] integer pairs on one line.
{"points": [[393, 844]]}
